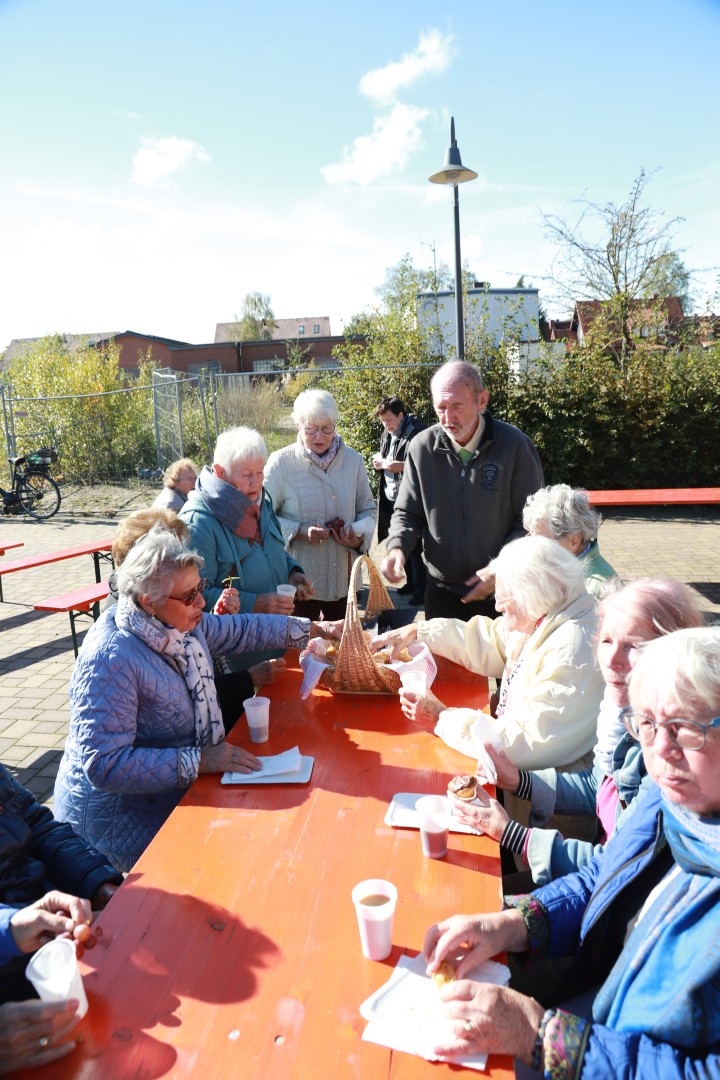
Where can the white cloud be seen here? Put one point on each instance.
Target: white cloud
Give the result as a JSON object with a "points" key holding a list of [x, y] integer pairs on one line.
{"points": [[395, 136], [159, 158], [431, 57]]}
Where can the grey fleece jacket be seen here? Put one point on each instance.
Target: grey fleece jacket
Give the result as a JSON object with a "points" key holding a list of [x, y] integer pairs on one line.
{"points": [[464, 513]]}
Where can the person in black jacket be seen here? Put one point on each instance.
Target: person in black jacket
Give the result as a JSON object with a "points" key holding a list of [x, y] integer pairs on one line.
{"points": [[37, 854], [400, 427]]}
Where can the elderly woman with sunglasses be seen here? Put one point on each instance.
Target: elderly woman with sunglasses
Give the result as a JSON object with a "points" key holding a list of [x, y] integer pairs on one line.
{"points": [[144, 715], [321, 495], [642, 920]]}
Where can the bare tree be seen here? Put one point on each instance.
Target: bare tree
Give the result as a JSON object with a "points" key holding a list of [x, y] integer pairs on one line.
{"points": [[614, 253]]}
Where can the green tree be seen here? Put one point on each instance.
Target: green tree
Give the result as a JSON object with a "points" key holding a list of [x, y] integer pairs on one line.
{"points": [[256, 321], [614, 253]]}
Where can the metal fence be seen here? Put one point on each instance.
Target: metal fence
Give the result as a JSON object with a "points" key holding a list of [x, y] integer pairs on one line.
{"points": [[121, 433]]}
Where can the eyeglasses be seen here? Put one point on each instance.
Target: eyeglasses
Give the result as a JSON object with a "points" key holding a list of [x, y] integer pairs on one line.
{"points": [[189, 598], [687, 734], [313, 429]]}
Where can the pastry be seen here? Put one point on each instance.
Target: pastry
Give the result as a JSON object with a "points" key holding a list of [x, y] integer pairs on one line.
{"points": [[444, 974], [464, 787]]}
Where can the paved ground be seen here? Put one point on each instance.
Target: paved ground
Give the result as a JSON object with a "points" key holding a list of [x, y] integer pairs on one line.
{"points": [[36, 656]]}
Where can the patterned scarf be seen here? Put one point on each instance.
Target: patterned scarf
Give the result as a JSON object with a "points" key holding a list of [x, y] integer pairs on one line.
{"points": [[323, 460], [232, 509], [184, 653], [659, 984]]}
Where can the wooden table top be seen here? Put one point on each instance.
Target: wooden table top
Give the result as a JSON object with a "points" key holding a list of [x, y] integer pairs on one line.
{"points": [[232, 949]]}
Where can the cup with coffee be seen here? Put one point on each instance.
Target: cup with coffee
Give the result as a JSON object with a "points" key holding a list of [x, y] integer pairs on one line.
{"points": [[375, 902], [434, 818]]}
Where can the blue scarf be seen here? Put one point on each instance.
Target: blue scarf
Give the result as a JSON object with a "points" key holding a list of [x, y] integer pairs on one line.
{"points": [[660, 982], [231, 508]]}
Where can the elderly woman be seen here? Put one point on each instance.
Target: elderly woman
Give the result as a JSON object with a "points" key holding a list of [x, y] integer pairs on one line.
{"points": [[233, 527], [642, 921], [144, 716], [322, 497], [179, 480], [629, 618], [232, 687], [542, 648], [564, 514]]}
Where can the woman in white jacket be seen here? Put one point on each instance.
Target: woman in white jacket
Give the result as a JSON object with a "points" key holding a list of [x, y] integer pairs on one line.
{"points": [[322, 499], [542, 650]]}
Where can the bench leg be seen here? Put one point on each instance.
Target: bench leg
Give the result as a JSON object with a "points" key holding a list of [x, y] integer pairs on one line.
{"points": [[93, 611], [1, 593]]}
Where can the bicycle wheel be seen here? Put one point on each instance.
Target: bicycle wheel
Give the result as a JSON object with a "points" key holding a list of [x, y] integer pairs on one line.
{"points": [[39, 495]]}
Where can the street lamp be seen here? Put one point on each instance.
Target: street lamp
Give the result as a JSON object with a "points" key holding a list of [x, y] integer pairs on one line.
{"points": [[454, 172]]}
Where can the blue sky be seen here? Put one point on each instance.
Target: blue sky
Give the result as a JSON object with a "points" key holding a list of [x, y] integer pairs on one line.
{"points": [[162, 158]]}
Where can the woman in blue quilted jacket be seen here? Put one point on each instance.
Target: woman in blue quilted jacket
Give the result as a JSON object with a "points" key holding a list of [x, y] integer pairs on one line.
{"points": [[144, 715], [642, 920]]}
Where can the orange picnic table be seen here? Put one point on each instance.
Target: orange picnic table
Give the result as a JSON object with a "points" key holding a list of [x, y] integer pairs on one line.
{"points": [[232, 947]]}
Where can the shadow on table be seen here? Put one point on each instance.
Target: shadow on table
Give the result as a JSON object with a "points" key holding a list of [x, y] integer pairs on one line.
{"points": [[156, 949]]}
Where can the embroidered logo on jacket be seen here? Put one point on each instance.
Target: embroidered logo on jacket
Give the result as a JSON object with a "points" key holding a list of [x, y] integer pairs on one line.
{"points": [[490, 474]]}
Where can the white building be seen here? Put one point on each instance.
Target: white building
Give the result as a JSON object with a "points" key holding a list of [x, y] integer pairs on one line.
{"points": [[497, 316]]}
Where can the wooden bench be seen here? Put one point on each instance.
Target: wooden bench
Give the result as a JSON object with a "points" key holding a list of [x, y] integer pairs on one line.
{"points": [[656, 497], [84, 601], [98, 550], [9, 547]]}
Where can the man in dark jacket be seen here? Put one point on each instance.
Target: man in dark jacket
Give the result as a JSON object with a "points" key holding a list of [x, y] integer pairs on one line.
{"points": [[37, 854], [400, 427], [464, 487]]}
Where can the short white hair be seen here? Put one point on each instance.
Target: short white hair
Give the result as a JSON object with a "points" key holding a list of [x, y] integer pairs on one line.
{"points": [[314, 406], [564, 510], [152, 564], [682, 667], [539, 575], [237, 445]]}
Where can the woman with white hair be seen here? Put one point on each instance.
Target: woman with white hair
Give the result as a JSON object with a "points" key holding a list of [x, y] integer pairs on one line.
{"points": [[629, 618], [144, 714], [564, 514], [542, 649], [233, 527], [322, 497], [641, 922]]}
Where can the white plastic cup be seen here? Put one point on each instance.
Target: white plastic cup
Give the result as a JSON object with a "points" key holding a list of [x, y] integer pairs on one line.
{"points": [[286, 590], [375, 902], [257, 714], [415, 681], [55, 974], [434, 818]]}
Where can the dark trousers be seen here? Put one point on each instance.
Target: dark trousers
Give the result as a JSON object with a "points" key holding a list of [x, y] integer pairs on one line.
{"points": [[441, 603], [329, 610], [232, 689]]}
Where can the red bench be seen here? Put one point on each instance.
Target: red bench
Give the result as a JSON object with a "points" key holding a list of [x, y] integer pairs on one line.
{"points": [[656, 497], [8, 547], [98, 550], [84, 601]]}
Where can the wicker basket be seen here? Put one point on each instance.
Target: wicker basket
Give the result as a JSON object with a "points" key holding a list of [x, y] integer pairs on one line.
{"points": [[355, 671]]}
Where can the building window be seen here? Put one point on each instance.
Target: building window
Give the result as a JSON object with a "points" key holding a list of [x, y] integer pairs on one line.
{"points": [[301, 329], [276, 364], [316, 328]]}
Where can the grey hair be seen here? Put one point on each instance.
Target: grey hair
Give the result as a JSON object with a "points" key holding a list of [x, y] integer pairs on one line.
{"points": [[315, 406], [458, 371], [682, 667], [238, 445], [539, 575], [564, 510], [152, 564], [658, 605]]}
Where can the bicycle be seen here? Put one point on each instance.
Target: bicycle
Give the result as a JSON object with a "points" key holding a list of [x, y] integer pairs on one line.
{"points": [[32, 488]]}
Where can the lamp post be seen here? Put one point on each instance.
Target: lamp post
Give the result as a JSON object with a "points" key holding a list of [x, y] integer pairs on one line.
{"points": [[454, 172]]}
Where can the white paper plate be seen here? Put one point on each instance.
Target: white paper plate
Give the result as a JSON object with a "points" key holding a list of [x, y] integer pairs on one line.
{"points": [[401, 814]]}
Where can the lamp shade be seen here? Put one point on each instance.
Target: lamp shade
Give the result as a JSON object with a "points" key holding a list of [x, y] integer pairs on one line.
{"points": [[453, 172]]}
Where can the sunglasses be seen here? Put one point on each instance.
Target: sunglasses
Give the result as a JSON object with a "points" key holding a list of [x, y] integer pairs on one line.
{"points": [[189, 598]]}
